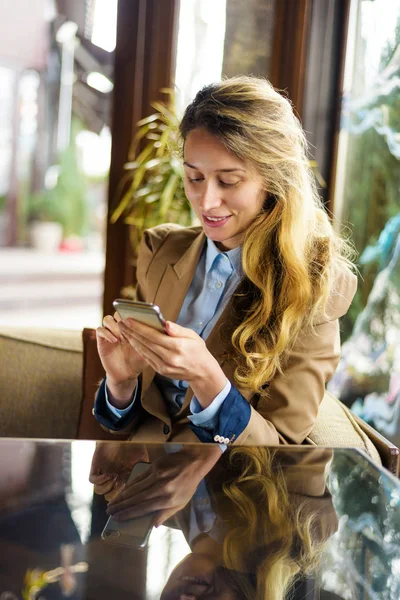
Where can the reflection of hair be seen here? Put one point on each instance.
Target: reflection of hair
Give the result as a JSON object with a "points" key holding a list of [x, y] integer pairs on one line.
{"points": [[268, 539], [290, 247]]}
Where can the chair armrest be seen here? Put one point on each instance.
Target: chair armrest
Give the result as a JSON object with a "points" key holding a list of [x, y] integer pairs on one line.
{"points": [[388, 452], [93, 373], [40, 382]]}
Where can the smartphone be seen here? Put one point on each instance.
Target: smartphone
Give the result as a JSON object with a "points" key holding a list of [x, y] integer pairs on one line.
{"points": [[144, 312], [134, 532]]}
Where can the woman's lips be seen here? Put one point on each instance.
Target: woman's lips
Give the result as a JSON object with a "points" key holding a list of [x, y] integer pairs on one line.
{"points": [[192, 587], [215, 221]]}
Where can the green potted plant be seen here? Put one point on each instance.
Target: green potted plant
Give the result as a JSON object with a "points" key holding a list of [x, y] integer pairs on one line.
{"points": [[45, 218], [60, 212], [151, 192]]}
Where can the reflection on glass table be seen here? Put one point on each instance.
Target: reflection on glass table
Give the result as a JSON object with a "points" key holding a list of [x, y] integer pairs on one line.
{"points": [[244, 523]]}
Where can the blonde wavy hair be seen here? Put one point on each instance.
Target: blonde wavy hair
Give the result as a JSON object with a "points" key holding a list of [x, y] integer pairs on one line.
{"points": [[290, 251], [269, 541]]}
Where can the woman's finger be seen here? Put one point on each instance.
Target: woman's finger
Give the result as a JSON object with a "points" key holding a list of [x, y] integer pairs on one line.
{"points": [[105, 334], [142, 478], [138, 484], [145, 332], [114, 492], [145, 347], [111, 324], [99, 479], [177, 331], [154, 355], [135, 493], [104, 488], [142, 498], [146, 508]]}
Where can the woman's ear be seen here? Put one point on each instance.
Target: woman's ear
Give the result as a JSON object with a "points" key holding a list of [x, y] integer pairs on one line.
{"points": [[270, 202]]}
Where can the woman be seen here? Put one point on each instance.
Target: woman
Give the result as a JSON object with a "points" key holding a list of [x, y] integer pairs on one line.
{"points": [[252, 295]]}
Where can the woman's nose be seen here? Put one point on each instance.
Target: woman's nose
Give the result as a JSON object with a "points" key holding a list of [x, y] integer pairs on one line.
{"points": [[210, 198]]}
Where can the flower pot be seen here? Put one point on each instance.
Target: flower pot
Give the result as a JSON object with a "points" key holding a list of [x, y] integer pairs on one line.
{"points": [[46, 236]]}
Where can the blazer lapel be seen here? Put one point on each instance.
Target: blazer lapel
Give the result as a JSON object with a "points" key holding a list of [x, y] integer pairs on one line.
{"points": [[169, 296], [177, 278]]}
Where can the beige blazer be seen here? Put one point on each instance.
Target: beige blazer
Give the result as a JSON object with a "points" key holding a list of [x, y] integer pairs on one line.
{"points": [[167, 262]]}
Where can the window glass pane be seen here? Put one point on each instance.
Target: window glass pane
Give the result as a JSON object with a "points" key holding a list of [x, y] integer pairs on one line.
{"points": [[368, 200], [200, 47], [224, 37], [56, 81]]}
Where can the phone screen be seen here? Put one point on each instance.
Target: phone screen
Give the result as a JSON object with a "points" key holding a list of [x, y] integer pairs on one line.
{"points": [[134, 532]]}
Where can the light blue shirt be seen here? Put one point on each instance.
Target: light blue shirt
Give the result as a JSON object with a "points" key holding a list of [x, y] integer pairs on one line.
{"points": [[216, 278]]}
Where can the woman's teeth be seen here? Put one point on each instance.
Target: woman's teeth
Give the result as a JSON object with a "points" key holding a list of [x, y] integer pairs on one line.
{"points": [[197, 580]]}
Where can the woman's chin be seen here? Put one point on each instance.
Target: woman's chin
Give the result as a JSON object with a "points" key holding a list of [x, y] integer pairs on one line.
{"points": [[224, 242], [195, 565]]}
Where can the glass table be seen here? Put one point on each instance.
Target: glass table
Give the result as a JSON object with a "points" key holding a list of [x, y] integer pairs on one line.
{"points": [[119, 520]]}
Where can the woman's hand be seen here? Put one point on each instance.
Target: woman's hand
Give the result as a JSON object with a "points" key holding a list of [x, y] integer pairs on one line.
{"points": [[112, 464], [167, 486], [182, 354], [121, 362]]}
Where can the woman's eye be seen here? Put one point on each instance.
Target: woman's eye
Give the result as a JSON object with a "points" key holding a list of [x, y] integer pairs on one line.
{"points": [[195, 180], [226, 184]]}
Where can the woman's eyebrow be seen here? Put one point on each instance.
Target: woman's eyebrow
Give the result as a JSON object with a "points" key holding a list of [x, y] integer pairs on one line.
{"points": [[216, 170]]}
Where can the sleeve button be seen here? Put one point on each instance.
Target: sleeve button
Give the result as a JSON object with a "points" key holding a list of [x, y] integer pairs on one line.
{"points": [[166, 429]]}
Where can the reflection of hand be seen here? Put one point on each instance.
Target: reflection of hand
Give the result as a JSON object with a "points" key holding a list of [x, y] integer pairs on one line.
{"points": [[112, 464], [167, 486]]}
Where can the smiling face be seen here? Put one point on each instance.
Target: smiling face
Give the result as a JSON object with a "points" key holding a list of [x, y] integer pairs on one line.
{"points": [[224, 191]]}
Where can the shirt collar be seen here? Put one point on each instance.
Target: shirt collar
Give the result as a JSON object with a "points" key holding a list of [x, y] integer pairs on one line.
{"points": [[235, 257]]}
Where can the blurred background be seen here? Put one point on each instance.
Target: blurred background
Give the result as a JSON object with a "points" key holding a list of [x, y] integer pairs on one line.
{"points": [[76, 76]]}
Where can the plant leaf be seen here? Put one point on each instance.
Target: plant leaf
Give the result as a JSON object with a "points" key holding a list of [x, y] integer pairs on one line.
{"points": [[140, 134], [128, 166], [154, 162], [156, 191], [163, 142], [152, 198], [168, 193], [153, 136], [145, 153], [148, 119], [165, 113], [142, 191]]}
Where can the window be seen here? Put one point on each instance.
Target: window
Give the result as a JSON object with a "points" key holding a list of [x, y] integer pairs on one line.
{"points": [[367, 199], [56, 72]]}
